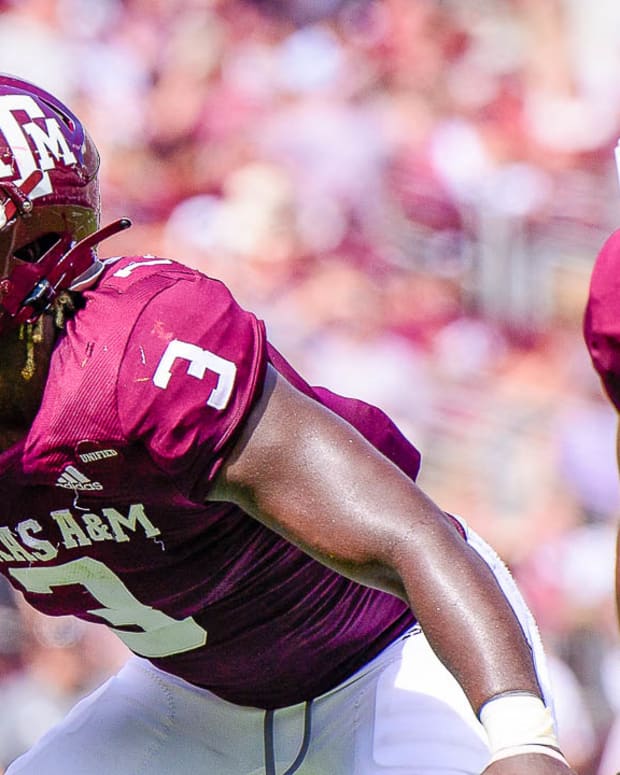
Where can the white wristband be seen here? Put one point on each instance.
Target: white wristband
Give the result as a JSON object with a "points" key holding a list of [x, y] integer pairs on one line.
{"points": [[519, 723], [517, 750]]}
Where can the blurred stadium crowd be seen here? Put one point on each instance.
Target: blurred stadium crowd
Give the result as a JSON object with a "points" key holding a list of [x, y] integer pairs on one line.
{"points": [[411, 193]]}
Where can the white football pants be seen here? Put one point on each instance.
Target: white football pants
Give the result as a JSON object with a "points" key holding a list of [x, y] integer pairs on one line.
{"points": [[403, 714]]}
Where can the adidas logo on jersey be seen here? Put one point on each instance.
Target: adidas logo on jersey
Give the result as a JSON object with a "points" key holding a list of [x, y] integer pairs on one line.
{"points": [[72, 479]]}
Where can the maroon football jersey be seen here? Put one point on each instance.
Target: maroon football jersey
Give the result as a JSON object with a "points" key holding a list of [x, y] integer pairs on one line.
{"points": [[103, 511], [602, 317]]}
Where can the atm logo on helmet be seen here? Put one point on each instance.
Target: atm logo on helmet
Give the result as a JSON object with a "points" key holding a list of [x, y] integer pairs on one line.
{"points": [[37, 143]]}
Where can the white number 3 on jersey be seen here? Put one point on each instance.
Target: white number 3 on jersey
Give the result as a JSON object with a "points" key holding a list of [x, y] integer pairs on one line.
{"points": [[160, 635], [200, 361]]}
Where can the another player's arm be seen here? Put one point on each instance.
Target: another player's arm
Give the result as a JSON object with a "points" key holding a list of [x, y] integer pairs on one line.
{"points": [[311, 477]]}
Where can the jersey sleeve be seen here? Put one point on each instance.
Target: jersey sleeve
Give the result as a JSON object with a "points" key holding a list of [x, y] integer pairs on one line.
{"points": [[602, 317], [193, 366]]}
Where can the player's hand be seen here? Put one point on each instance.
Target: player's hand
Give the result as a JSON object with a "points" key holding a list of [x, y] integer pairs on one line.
{"points": [[528, 764]]}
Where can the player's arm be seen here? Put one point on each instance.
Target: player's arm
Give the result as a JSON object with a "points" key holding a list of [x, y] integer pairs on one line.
{"points": [[311, 477]]}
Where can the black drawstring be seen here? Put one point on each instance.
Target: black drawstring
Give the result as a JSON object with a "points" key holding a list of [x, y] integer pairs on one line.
{"points": [[270, 757]]}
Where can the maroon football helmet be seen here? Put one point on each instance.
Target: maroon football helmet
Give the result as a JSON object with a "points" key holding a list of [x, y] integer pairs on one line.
{"points": [[49, 202]]}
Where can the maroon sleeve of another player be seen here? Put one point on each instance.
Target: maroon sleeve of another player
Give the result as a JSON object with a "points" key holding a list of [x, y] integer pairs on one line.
{"points": [[193, 365], [602, 317]]}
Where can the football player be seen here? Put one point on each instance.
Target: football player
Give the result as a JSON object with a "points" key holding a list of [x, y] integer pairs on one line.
{"points": [[295, 603]]}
